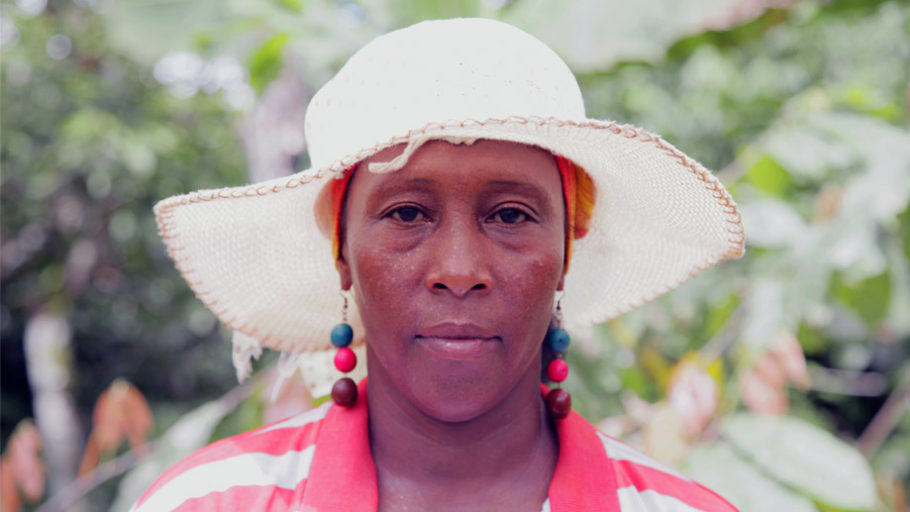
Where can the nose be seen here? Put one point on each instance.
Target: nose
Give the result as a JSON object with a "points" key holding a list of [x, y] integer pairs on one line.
{"points": [[460, 261]]}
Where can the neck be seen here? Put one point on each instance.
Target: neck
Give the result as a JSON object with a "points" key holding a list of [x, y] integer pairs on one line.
{"points": [[507, 453]]}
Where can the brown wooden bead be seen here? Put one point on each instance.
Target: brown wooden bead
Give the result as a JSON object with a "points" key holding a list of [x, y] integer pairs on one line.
{"points": [[344, 392], [559, 403]]}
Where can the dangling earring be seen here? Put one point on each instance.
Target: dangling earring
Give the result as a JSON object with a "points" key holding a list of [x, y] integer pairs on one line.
{"points": [[559, 401], [344, 392]]}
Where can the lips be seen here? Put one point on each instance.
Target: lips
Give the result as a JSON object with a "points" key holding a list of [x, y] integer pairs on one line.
{"points": [[464, 341]]}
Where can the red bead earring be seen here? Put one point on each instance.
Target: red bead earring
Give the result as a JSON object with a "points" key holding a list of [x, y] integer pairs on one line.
{"points": [[344, 392], [559, 401]]}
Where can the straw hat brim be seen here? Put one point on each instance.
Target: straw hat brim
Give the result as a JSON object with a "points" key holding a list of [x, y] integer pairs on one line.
{"points": [[255, 256]]}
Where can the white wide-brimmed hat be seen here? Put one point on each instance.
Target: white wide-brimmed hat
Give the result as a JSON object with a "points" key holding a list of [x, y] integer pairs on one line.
{"points": [[255, 256]]}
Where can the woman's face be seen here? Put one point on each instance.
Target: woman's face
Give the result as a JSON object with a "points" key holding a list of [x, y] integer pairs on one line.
{"points": [[454, 260]]}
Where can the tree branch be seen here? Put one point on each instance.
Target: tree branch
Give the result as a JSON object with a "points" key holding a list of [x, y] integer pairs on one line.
{"points": [[885, 419]]}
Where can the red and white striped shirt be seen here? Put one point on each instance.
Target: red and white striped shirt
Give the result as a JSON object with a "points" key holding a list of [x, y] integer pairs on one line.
{"points": [[320, 461]]}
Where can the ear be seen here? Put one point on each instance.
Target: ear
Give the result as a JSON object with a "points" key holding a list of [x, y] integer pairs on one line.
{"points": [[344, 272]]}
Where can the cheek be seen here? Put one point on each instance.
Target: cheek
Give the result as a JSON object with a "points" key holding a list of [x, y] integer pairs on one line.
{"points": [[528, 286], [381, 280], [533, 270], [369, 268]]}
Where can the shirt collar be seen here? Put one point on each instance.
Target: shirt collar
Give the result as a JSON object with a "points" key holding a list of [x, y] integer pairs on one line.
{"points": [[343, 474]]}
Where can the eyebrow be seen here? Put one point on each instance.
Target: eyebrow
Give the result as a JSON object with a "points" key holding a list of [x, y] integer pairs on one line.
{"points": [[399, 186], [534, 193], [520, 187]]}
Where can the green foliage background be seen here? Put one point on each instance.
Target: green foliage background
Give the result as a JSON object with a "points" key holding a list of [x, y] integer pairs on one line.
{"points": [[802, 111]]}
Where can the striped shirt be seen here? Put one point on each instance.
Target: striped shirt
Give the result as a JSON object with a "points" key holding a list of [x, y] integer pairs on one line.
{"points": [[320, 461]]}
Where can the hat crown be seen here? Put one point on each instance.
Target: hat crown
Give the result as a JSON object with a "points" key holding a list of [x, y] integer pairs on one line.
{"points": [[435, 72]]}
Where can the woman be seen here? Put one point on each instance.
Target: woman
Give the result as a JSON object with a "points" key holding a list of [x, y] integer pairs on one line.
{"points": [[467, 182]]}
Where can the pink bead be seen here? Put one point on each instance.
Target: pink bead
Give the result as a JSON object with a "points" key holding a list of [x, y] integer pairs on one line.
{"points": [[345, 360], [557, 370]]}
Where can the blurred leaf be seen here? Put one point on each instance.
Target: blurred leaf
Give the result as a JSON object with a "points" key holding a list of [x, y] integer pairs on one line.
{"points": [[266, 62], [291, 5], [804, 457], [621, 331], [664, 434], [864, 98], [762, 396], [869, 297], [247, 416], [694, 393], [764, 386], [635, 380], [892, 493], [408, 12], [899, 305], [655, 363], [121, 414], [810, 339], [904, 231], [23, 460], [718, 315], [882, 190], [10, 501], [804, 151], [766, 314], [773, 224], [768, 176], [137, 157], [745, 486]]}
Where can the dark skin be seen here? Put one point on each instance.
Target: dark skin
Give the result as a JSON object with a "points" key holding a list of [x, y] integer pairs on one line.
{"points": [[454, 260]]}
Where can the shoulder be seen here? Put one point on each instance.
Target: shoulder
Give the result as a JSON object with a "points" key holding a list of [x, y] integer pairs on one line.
{"points": [[644, 484], [257, 470]]}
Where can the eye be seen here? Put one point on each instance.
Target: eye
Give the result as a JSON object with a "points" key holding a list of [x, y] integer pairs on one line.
{"points": [[510, 216], [406, 214]]}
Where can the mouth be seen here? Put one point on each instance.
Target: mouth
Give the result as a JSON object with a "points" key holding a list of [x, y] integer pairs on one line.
{"points": [[460, 341]]}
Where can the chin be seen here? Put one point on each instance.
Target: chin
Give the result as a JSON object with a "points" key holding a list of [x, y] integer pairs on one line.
{"points": [[454, 412], [456, 400]]}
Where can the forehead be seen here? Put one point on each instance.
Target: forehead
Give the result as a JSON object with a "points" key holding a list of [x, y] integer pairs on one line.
{"points": [[464, 167]]}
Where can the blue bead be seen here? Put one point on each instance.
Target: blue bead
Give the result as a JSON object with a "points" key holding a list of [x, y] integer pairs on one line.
{"points": [[558, 339], [342, 334]]}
